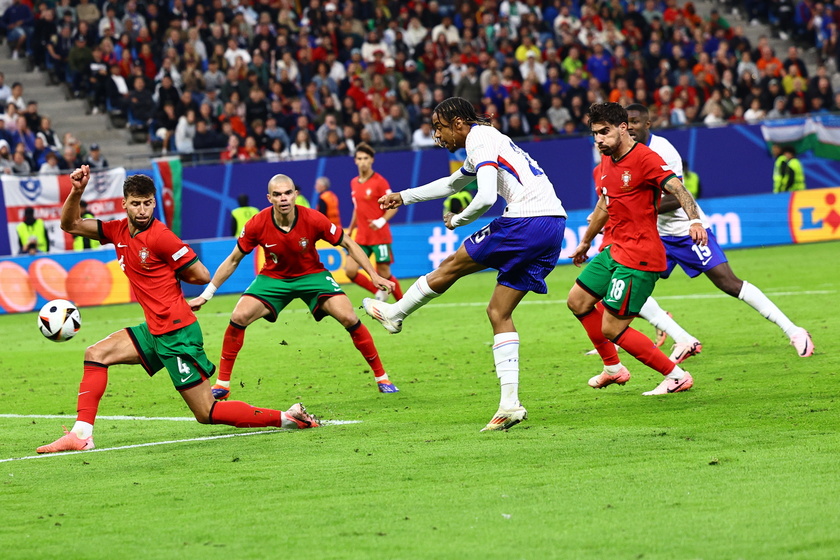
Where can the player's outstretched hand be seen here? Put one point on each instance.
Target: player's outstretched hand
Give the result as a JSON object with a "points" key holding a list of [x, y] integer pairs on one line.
{"points": [[699, 234], [382, 283], [80, 177], [390, 200], [447, 220], [196, 303], [579, 256]]}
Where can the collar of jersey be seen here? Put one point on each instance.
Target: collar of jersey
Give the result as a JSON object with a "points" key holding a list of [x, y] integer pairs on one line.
{"points": [[294, 223]]}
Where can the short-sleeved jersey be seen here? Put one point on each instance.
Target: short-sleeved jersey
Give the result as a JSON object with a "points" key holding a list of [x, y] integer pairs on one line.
{"points": [[632, 187], [289, 254], [675, 222], [365, 199], [151, 260], [520, 180]]}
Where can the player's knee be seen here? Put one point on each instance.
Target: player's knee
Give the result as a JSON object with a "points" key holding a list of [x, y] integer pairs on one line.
{"points": [[202, 417], [96, 353], [497, 316]]}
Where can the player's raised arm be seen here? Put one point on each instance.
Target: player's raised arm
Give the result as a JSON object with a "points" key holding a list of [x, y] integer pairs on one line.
{"points": [[71, 213], [223, 272], [360, 257], [598, 219], [698, 233]]}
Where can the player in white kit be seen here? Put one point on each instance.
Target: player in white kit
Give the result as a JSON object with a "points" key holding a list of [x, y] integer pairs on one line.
{"points": [[523, 244]]}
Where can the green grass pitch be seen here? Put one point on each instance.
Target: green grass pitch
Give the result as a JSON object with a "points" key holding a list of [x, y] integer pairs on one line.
{"points": [[745, 465]]}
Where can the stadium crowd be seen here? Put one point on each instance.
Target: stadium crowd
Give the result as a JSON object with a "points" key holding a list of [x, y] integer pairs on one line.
{"points": [[287, 79]]}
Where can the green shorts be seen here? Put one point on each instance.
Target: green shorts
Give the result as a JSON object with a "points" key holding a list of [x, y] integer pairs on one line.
{"points": [[277, 294], [381, 253], [181, 352], [623, 289]]}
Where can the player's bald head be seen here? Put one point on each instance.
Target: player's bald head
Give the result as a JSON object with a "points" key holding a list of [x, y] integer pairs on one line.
{"points": [[280, 180]]}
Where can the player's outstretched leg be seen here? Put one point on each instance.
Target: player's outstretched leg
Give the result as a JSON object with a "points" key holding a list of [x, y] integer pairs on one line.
{"points": [[800, 339], [242, 415], [391, 315]]}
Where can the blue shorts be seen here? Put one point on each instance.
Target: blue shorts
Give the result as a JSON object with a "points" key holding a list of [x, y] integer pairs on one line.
{"points": [[523, 250], [694, 259]]}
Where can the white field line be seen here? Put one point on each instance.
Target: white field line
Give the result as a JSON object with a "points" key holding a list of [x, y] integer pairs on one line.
{"points": [[154, 443]]}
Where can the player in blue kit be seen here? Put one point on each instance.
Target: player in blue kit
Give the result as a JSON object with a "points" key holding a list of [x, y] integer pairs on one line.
{"points": [[523, 244]]}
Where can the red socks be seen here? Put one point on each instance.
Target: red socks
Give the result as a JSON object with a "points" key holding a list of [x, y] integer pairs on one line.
{"points": [[364, 282], [364, 344], [397, 289], [642, 348], [91, 389], [242, 415], [231, 345], [592, 322]]}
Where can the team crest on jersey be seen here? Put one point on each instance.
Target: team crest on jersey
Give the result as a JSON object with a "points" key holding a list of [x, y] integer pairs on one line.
{"points": [[144, 254], [304, 244], [625, 181]]}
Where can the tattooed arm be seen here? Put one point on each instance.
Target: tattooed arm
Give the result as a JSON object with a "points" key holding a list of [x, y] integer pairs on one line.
{"points": [[698, 233]]}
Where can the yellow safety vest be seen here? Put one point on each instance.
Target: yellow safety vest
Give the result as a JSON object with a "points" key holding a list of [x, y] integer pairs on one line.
{"points": [[463, 198], [37, 230], [241, 215], [692, 183], [301, 201], [81, 242]]}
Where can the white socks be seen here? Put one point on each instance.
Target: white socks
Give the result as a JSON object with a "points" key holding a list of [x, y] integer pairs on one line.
{"points": [[676, 373], [756, 299], [659, 318], [418, 295], [506, 357], [82, 429]]}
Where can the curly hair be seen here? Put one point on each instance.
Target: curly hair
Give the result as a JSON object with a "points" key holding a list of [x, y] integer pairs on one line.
{"points": [[140, 186], [611, 113], [458, 107]]}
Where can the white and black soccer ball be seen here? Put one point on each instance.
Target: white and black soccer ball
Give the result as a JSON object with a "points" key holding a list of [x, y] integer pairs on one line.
{"points": [[59, 320]]}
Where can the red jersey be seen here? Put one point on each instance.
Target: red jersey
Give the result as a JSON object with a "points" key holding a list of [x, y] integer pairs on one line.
{"points": [[289, 254], [151, 260], [632, 188], [366, 201]]}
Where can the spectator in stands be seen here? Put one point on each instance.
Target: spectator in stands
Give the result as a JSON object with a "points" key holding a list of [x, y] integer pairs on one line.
{"points": [[165, 123], [109, 25], [5, 91], [234, 150], [303, 147], [141, 105], [185, 132], [207, 143], [6, 161], [20, 165], [23, 135], [95, 159], [88, 11], [70, 159], [117, 92], [423, 137], [17, 21], [50, 165], [17, 97]]}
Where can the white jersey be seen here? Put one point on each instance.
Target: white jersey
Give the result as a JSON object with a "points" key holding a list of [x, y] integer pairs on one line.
{"points": [[673, 223], [520, 181]]}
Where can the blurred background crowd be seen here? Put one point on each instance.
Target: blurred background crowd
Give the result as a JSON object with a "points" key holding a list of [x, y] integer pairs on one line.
{"points": [[285, 79]]}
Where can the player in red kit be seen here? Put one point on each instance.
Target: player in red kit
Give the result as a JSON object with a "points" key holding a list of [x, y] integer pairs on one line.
{"points": [[629, 182], [287, 233], [154, 259], [371, 223]]}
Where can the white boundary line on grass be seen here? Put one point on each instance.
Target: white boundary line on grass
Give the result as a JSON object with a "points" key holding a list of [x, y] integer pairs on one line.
{"points": [[150, 444]]}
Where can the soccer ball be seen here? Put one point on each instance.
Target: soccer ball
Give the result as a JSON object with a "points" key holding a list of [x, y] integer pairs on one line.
{"points": [[59, 320]]}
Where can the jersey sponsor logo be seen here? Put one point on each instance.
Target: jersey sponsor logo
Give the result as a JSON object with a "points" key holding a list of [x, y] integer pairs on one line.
{"points": [[625, 181], [180, 253], [144, 254], [815, 215]]}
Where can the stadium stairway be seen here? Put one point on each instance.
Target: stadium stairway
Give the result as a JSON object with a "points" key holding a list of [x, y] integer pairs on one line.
{"points": [[71, 115]]}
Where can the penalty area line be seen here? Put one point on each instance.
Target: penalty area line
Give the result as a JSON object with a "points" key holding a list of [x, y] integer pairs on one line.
{"points": [[155, 443]]}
